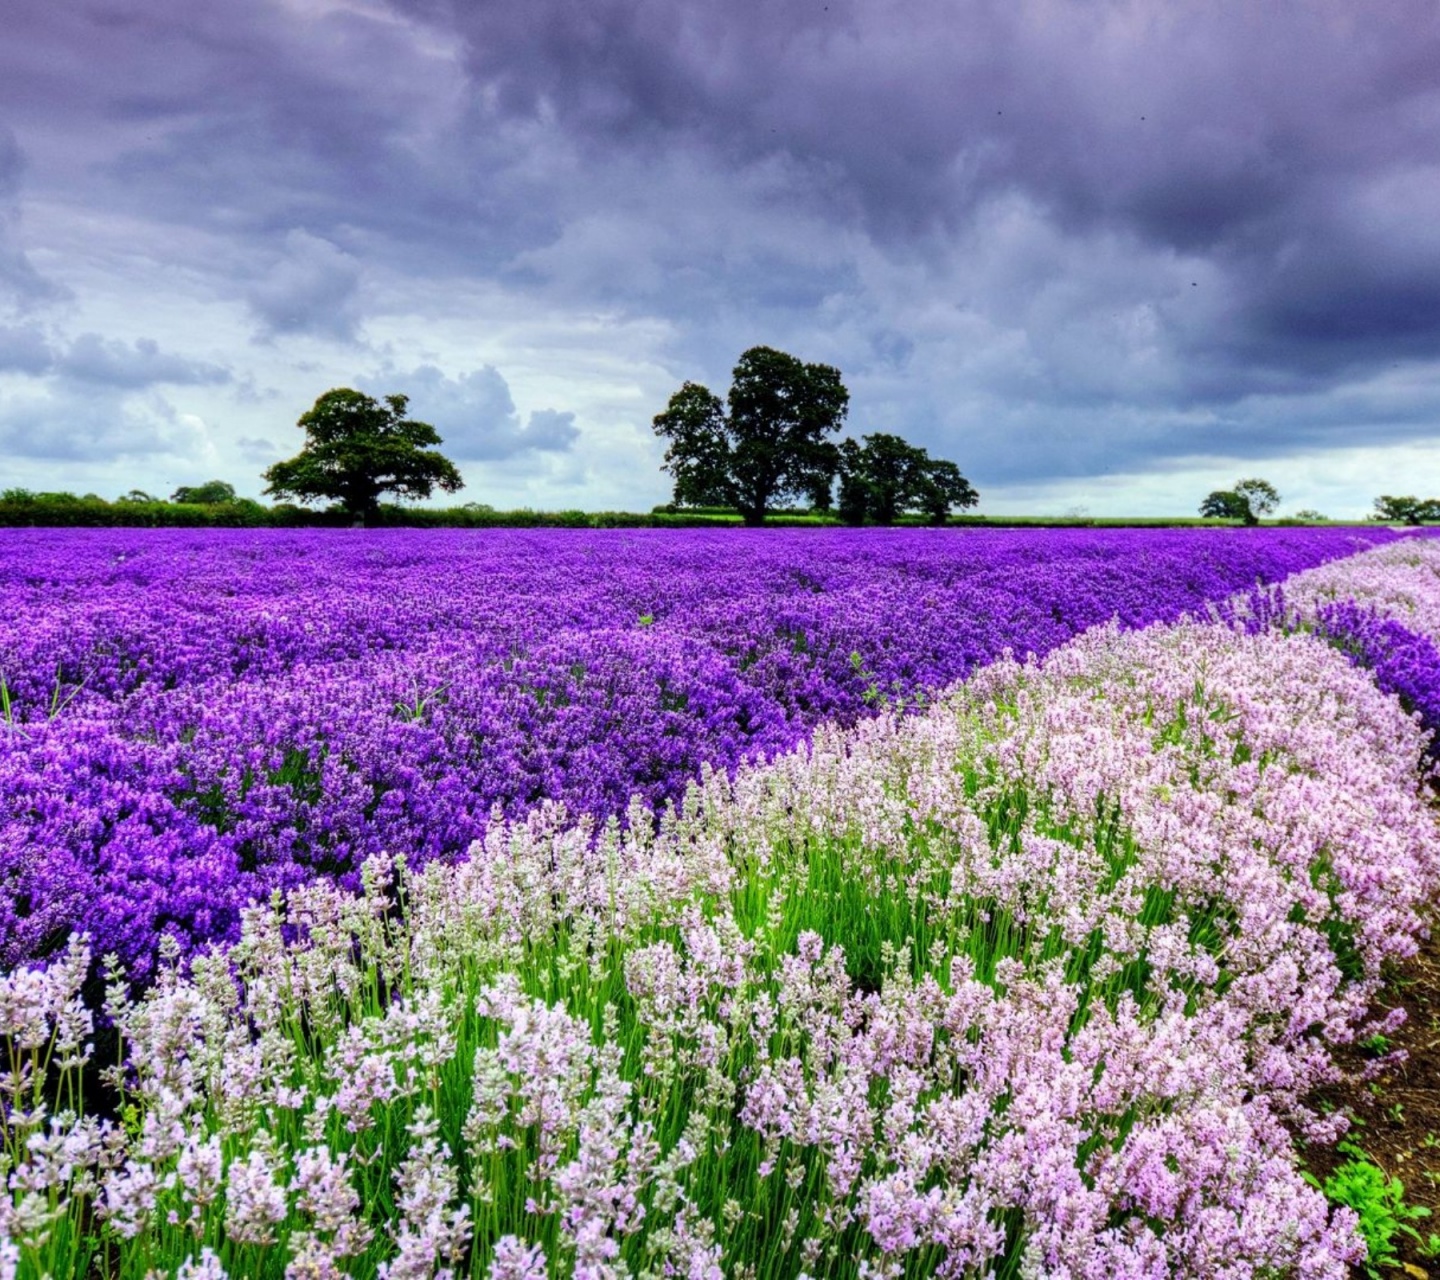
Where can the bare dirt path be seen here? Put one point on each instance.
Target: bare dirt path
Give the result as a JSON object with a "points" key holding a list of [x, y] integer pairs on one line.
{"points": [[1397, 1113]]}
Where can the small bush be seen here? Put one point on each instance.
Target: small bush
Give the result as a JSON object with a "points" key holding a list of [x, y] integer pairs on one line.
{"points": [[1361, 1185]]}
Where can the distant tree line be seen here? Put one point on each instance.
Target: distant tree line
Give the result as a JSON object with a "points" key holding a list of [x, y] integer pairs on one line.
{"points": [[1249, 500], [22, 507], [212, 504], [768, 442]]}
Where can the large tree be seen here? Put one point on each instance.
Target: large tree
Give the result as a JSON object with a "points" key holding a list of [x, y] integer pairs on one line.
{"points": [[940, 488], [357, 449], [886, 476], [1406, 510], [768, 443], [1247, 501], [1224, 504]]}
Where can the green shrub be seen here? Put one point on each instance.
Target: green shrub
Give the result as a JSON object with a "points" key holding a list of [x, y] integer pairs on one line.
{"points": [[1360, 1184]]}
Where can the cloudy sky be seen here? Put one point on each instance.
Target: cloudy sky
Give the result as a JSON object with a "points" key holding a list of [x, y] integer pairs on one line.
{"points": [[1104, 255]]}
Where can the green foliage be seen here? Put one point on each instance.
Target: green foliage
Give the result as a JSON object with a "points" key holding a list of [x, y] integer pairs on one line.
{"points": [[768, 445], [886, 477], [941, 487], [1361, 1185], [699, 456], [1260, 497], [1406, 510], [414, 979], [875, 478], [1224, 504], [357, 449], [1246, 502], [138, 509], [889, 917], [207, 494], [134, 509]]}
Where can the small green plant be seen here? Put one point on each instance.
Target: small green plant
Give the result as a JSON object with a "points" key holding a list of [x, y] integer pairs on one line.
{"points": [[59, 700], [872, 693], [414, 708], [874, 696], [647, 619], [1360, 1184], [1376, 1045]]}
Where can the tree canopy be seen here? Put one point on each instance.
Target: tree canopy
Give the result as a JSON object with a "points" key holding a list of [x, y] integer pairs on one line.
{"points": [[357, 449], [886, 476], [1224, 504], [207, 494], [765, 444], [1247, 501], [1406, 510]]}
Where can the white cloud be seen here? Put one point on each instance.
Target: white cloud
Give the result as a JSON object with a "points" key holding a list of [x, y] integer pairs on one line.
{"points": [[476, 415], [70, 424], [310, 288]]}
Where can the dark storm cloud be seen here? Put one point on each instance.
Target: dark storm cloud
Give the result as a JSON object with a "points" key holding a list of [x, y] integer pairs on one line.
{"points": [[306, 139], [476, 415], [1112, 441], [255, 122], [1194, 122], [1248, 136], [1112, 232], [21, 286]]}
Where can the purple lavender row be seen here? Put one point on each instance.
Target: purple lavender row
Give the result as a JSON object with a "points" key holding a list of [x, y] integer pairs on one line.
{"points": [[198, 718], [853, 1013], [1382, 610]]}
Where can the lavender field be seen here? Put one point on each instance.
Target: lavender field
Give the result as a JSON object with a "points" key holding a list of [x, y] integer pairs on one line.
{"points": [[863, 904], [202, 718]]}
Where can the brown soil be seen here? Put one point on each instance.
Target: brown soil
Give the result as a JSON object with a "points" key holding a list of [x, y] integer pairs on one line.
{"points": [[1397, 1114]]}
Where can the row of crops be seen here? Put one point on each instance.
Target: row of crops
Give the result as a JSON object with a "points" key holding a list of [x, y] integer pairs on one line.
{"points": [[1033, 973], [203, 717]]}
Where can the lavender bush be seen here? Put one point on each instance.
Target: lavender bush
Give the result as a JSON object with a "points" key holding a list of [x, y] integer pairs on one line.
{"points": [[1403, 662], [192, 720], [1381, 608], [1028, 984]]}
